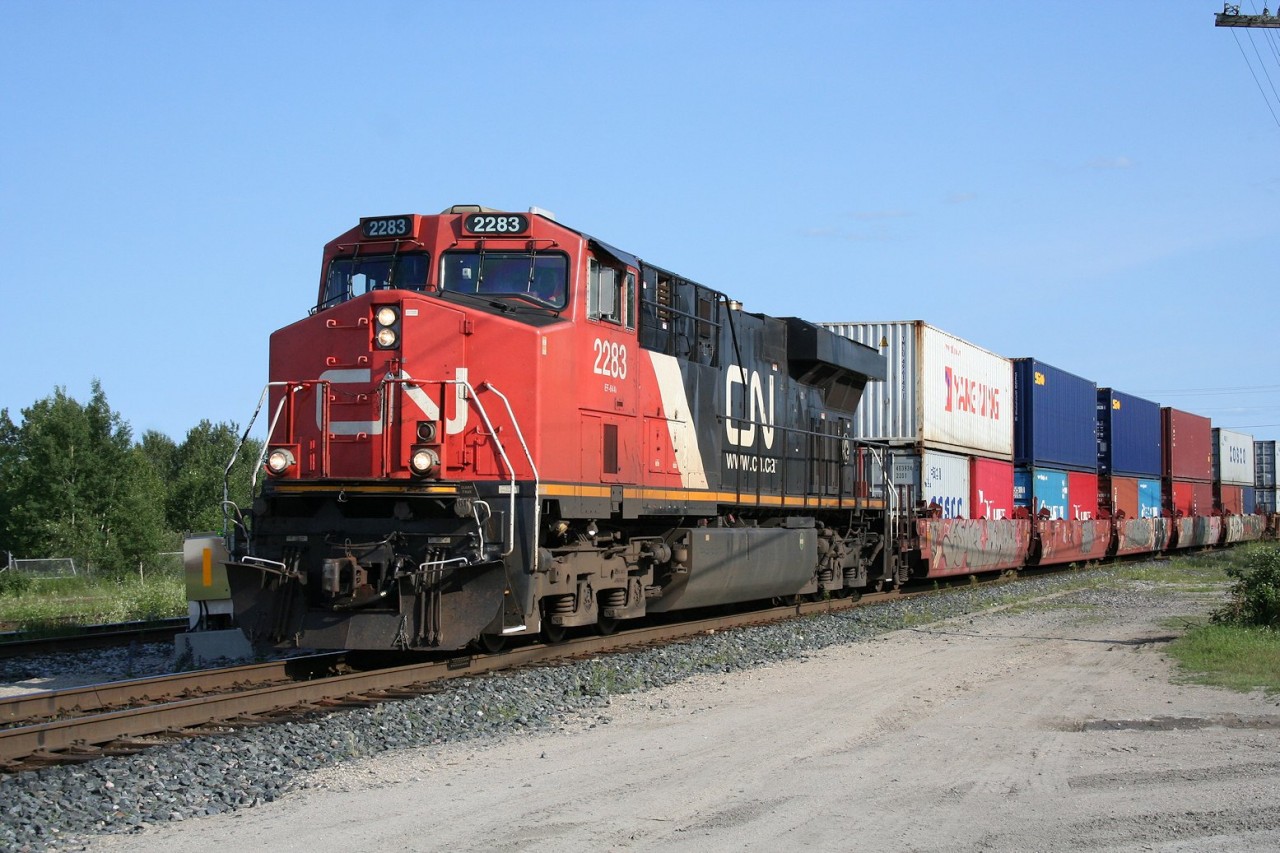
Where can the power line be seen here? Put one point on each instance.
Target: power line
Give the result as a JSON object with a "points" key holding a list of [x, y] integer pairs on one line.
{"points": [[1230, 17], [1177, 392], [1256, 82]]}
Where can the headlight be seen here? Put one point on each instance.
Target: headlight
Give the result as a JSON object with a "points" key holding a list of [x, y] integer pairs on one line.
{"points": [[279, 460], [386, 338], [386, 316], [423, 461]]}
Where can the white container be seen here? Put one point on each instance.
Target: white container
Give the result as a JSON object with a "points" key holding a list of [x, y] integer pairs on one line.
{"points": [[933, 477], [1233, 458], [942, 392], [944, 480], [1266, 464]]}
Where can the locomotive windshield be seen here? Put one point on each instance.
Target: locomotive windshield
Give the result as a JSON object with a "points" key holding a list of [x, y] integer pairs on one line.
{"points": [[352, 277], [537, 278]]}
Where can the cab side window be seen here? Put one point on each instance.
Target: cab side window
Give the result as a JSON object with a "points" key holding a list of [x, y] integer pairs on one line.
{"points": [[610, 294]]}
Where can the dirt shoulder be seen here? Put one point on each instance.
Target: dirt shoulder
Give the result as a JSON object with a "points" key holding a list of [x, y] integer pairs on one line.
{"points": [[1055, 727]]}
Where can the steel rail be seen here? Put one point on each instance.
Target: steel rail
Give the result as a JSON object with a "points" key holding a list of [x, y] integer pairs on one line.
{"points": [[85, 735], [20, 644], [80, 701]]}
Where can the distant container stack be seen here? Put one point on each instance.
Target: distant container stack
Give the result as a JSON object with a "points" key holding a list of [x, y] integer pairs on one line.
{"points": [[1266, 465], [1055, 441], [1233, 469], [947, 404], [1187, 449], [1129, 455]]}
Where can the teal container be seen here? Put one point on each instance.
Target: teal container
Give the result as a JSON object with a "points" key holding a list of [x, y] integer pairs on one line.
{"points": [[1150, 504], [1041, 489]]}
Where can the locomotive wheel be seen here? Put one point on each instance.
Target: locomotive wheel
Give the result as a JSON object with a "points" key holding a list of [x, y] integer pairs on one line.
{"points": [[493, 643], [553, 634]]}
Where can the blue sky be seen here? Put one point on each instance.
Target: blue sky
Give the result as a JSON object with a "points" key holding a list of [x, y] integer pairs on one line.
{"points": [[1091, 184]]}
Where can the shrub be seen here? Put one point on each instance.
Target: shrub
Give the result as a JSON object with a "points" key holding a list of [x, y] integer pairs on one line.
{"points": [[1255, 595], [13, 583]]}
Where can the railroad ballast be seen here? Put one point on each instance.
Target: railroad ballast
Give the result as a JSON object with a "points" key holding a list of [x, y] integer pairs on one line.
{"points": [[493, 425]]}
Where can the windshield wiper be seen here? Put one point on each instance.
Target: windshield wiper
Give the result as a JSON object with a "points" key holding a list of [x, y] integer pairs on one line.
{"points": [[536, 300]]}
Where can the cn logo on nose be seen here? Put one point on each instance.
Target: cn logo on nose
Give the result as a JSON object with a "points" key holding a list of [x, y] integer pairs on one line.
{"points": [[428, 407]]}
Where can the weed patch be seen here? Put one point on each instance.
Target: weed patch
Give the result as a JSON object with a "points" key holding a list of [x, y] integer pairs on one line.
{"points": [[1233, 656]]}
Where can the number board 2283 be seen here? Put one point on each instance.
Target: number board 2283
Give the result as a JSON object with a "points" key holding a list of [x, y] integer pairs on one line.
{"points": [[495, 223], [387, 226]]}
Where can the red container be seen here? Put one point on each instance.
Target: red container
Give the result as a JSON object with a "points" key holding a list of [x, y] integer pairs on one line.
{"points": [[1119, 495], [1190, 498], [1231, 499], [991, 488], [1188, 446], [1082, 495]]}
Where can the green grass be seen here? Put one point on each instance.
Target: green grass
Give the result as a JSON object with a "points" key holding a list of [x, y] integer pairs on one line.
{"points": [[52, 605], [1233, 656]]}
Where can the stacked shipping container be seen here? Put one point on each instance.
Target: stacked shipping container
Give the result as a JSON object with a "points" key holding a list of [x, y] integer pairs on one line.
{"points": [[949, 404], [1129, 458], [1266, 464], [983, 434], [1055, 441], [1233, 469], [1187, 448]]}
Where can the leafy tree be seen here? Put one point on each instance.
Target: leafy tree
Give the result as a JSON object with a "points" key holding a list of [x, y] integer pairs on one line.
{"points": [[8, 473], [78, 488], [136, 532], [198, 473], [73, 483], [159, 450]]}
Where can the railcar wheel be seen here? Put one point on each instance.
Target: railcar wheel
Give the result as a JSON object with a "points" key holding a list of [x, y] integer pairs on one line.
{"points": [[606, 626]]}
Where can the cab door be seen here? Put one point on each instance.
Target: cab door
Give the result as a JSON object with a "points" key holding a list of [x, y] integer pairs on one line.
{"points": [[612, 446]]}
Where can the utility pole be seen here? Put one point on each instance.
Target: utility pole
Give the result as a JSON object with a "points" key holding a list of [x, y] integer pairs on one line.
{"points": [[1230, 17]]}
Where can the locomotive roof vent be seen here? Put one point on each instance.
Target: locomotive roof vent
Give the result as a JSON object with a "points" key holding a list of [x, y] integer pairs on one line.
{"points": [[533, 209]]}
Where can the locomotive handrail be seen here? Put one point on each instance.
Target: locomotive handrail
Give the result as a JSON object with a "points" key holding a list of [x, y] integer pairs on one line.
{"points": [[502, 451], [271, 429], [262, 454], [537, 483]]}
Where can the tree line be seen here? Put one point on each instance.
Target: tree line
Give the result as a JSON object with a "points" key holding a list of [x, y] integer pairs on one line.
{"points": [[74, 483]]}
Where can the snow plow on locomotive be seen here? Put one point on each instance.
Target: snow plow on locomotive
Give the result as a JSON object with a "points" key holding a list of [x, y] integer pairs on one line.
{"points": [[492, 425]]}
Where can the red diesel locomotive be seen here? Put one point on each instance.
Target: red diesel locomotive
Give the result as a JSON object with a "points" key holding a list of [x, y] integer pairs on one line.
{"points": [[495, 425]]}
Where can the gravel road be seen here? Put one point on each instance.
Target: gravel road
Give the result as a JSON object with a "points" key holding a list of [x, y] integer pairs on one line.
{"points": [[1053, 727]]}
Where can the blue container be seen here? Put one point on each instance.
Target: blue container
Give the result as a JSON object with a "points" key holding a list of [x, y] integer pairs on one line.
{"points": [[1055, 417], [1041, 488], [1128, 435], [1150, 503], [1250, 500]]}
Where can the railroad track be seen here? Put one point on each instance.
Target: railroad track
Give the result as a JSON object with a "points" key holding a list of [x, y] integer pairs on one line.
{"points": [[81, 724], [15, 644]]}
